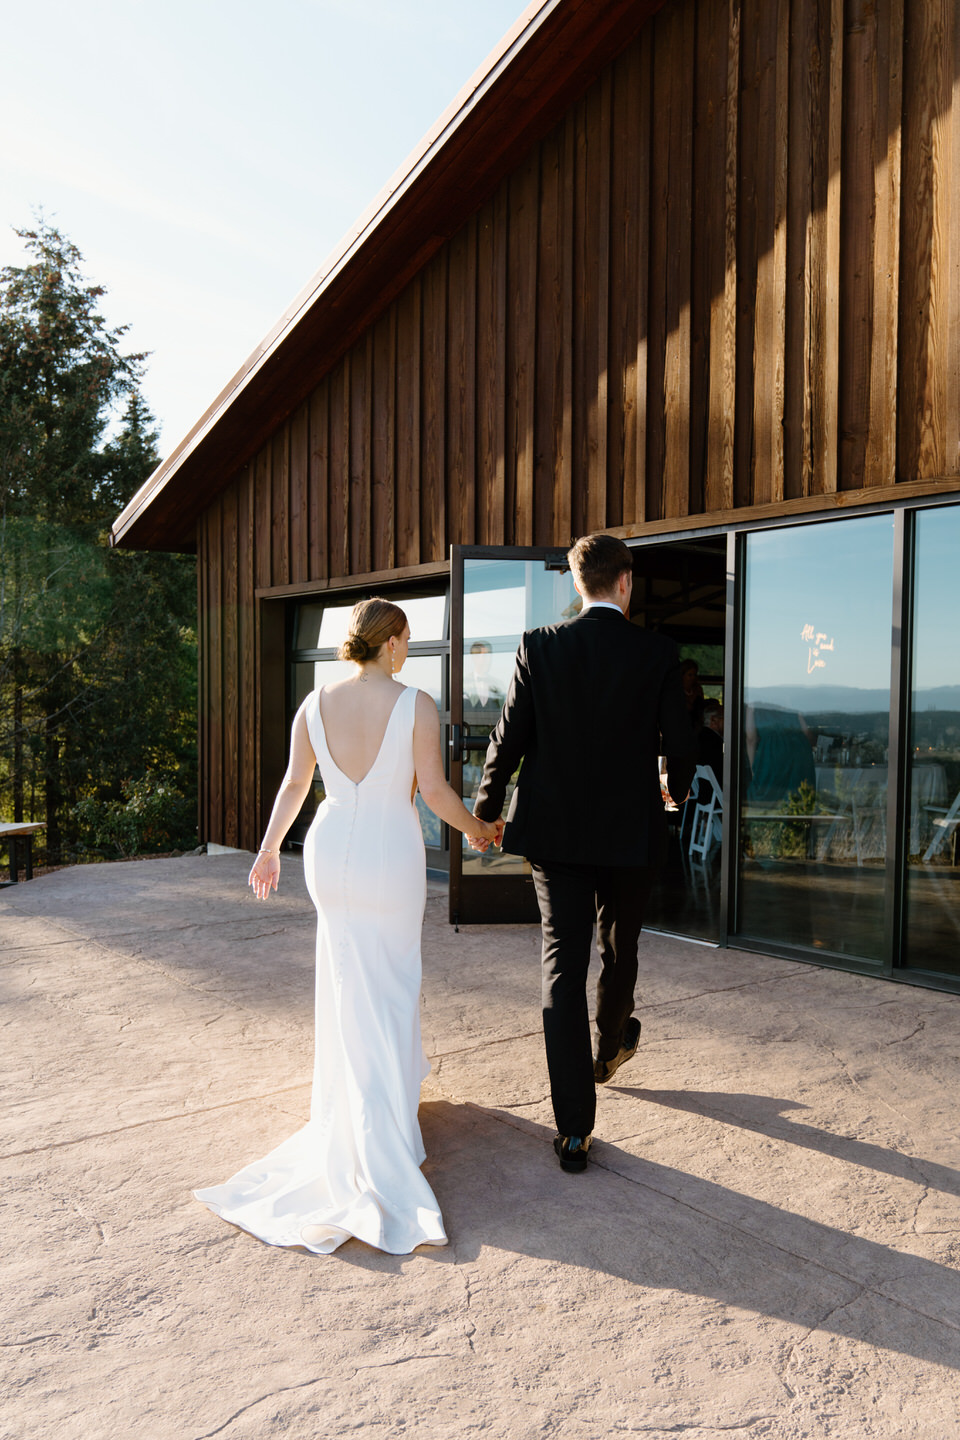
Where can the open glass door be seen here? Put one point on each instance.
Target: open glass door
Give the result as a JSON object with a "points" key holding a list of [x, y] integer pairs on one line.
{"points": [[496, 593]]}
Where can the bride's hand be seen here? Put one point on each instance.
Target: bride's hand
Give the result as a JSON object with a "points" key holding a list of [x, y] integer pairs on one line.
{"points": [[264, 875], [484, 833]]}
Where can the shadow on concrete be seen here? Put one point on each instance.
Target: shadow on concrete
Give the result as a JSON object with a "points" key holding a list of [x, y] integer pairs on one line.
{"points": [[764, 1116], [659, 1228]]}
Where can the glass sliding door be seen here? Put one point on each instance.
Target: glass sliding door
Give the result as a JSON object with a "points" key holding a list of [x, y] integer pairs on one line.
{"points": [[931, 931], [496, 594], [815, 736]]}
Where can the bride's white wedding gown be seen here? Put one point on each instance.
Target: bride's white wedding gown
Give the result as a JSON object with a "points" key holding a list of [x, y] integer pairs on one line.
{"points": [[354, 1168]]}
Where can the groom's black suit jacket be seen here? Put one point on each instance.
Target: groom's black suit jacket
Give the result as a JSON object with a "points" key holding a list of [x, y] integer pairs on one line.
{"points": [[591, 705]]}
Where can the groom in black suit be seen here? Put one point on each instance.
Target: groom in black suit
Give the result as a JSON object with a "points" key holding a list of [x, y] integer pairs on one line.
{"points": [[592, 703]]}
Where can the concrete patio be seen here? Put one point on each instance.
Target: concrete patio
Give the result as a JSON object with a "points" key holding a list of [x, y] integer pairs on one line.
{"points": [[766, 1244]]}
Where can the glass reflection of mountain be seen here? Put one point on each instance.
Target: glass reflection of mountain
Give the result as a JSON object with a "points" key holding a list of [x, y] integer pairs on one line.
{"points": [[847, 699]]}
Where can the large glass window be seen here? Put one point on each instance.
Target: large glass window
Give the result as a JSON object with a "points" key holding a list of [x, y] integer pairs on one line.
{"points": [[815, 735], [932, 817]]}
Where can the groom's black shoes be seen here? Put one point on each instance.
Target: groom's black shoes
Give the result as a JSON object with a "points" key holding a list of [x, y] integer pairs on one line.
{"points": [[572, 1151], [604, 1070]]}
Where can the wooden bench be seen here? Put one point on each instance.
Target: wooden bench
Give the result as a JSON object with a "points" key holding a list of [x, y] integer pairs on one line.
{"points": [[19, 838]]}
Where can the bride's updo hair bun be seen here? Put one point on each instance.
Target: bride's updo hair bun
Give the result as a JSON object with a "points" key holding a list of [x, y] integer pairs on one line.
{"points": [[371, 625]]}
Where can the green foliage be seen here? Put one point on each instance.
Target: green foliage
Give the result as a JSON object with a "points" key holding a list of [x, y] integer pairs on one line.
{"points": [[779, 839], [152, 817], [97, 646]]}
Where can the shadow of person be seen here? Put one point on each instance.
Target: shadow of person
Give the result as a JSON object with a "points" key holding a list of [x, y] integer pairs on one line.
{"points": [[764, 1116], [657, 1227]]}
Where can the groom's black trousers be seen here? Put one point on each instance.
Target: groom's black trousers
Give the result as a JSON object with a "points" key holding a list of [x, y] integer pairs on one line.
{"points": [[572, 899]]}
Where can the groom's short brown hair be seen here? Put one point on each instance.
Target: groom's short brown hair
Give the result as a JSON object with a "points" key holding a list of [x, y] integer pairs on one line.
{"points": [[597, 562]]}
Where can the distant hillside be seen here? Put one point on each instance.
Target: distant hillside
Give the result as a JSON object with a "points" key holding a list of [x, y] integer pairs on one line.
{"points": [[847, 699]]}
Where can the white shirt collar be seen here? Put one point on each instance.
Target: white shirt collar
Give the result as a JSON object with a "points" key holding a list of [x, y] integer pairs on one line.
{"points": [[600, 605]]}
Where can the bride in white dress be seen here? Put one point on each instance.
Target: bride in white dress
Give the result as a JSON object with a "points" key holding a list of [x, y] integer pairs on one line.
{"points": [[354, 1168]]}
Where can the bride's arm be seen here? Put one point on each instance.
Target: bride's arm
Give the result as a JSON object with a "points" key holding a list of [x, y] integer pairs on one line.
{"points": [[441, 798], [294, 789]]}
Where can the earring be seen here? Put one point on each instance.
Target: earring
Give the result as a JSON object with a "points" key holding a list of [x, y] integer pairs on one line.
{"points": [[393, 661]]}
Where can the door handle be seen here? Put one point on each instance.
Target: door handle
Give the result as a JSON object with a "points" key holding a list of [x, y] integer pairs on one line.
{"points": [[460, 742]]}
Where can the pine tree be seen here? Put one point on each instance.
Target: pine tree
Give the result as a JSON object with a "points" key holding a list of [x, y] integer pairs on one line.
{"points": [[83, 630]]}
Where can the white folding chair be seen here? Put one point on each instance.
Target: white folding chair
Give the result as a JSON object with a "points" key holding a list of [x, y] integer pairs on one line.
{"points": [[708, 816]]}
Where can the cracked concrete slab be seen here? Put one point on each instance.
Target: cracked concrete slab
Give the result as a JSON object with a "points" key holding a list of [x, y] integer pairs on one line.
{"points": [[766, 1243]]}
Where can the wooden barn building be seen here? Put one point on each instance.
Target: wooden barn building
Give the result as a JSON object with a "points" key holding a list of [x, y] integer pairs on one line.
{"points": [[687, 272]]}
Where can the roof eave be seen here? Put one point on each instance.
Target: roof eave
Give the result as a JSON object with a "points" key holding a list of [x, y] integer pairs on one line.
{"points": [[551, 54]]}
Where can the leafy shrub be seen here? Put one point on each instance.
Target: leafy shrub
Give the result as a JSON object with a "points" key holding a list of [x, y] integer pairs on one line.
{"points": [[153, 816]]}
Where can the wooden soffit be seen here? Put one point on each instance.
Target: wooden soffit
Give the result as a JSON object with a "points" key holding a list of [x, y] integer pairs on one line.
{"points": [[541, 67]]}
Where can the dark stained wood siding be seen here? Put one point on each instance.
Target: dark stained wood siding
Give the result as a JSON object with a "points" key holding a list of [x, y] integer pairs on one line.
{"points": [[729, 277]]}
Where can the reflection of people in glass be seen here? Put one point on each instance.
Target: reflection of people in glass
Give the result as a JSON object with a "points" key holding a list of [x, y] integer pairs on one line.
{"points": [[482, 702], [692, 689], [780, 752], [483, 699], [710, 738]]}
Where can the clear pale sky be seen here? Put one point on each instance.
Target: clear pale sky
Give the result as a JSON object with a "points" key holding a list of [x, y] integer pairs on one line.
{"points": [[206, 158]]}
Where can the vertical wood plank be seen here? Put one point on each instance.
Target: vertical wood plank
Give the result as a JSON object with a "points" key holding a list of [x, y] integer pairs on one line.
{"points": [[319, 481], [461, 387], [880, 458], [748, 241], [707, 223], [826, 457], [806, 160], [721, 407], [779, 278], [262, 520], [629, 148], [432, 410], [247, 676], [550, 413], [491, 367], [230, 699], [861, 227], [933, 458], [299, 489], [565, 460], [361, 377], [662, 28], [339, 471], [409, 314], [215, 711], [951, 458], [769, 316], [598, 422], [383, 451], [635, 478], [521, 349], [280, 506], [204, 642], [676, 371], [590, 302]]}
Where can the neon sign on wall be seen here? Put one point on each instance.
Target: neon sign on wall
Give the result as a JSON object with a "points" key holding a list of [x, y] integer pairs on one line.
{"points": [[816, 643]]}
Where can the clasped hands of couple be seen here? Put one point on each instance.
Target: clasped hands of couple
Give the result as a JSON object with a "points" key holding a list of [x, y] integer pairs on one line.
{"points": [[478, 842]]}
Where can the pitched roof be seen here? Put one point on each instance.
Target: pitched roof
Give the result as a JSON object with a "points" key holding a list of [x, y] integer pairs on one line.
{"points": [[543, 64]]}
